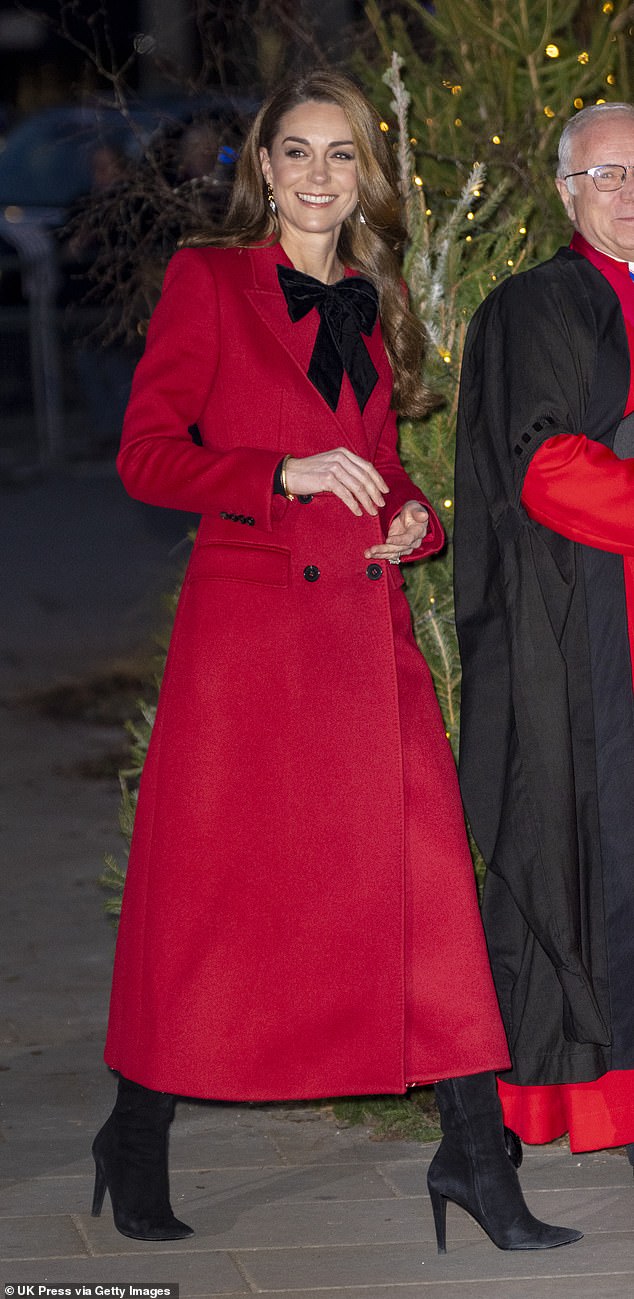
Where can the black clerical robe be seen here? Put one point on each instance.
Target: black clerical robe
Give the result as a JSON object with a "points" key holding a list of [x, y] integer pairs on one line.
{"points": [[547, 740]]}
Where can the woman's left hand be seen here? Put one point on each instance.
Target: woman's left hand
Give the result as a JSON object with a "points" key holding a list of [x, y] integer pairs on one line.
{"points": [[405, 535]]}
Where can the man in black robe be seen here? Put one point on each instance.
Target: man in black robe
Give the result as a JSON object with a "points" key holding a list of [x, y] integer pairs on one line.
{"points": [[544, 583]]}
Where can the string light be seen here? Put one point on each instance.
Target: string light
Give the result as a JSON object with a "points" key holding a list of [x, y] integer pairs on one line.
{"points": [[599, 101], [470, 216], [608, 7], [493, 277], [427, 211], [457, 121], [432, 599], [584, 57], [448, 503], [548, 111], [455, 90], [611, 79], [468, 239], [495, 139], [413, 140], [418, 180], [522, 230], [509, 261], [552, 51], [578, 102], [476, 193]]}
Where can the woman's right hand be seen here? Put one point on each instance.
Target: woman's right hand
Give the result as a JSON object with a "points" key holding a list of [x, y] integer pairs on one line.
{"points": [[342, 473]]}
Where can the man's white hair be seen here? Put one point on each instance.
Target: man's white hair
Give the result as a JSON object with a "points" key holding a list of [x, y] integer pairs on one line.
{"points": [[580, 122]]}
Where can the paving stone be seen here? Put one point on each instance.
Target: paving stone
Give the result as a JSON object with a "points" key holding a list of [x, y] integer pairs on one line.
{"points": [[196, 1273], [398, 1264], [40, 1237]]}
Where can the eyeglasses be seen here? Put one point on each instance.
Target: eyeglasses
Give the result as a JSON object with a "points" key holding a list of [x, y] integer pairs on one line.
{"points": [[607, 176]]}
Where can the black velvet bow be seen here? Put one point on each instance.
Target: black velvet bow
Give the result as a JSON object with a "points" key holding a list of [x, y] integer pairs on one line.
{"points": [[347, 309]]}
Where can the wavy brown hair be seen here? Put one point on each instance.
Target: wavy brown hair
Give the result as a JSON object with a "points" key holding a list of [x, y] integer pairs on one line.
{"points": [[373, 246]]}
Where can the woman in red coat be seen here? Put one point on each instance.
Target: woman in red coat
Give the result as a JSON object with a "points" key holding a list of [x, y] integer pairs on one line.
{"points": [[300, 917]]}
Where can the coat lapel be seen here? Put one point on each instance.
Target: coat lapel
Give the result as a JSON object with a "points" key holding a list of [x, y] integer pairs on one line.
{"points": [[350, 427]]}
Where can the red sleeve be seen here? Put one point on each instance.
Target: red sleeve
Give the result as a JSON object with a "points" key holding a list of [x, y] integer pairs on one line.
{"points": [[580, 488], [159, 462], [402, 490]]}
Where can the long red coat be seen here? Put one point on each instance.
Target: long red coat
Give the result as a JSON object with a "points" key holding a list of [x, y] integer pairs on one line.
{"points": [[300, 917]]}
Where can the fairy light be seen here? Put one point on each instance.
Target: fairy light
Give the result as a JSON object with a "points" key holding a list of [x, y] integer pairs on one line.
{"points": [[608, 7], [578, 102], [599, 101], [509, 261], [476, 193], [548, 111], [611, 79], [413, 140], [384, 126], [583, 57], [552, 51], [418, 180], [468, 239], [522, 230], [427, 211], [496, 139], [448, 503], [470, 216], [457, 121], [493, 277], [432, 599], [456, 90]]}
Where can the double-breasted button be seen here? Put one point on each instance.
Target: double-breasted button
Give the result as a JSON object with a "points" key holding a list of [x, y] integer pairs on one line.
{"points": [[223, 514], [251, 522], [311, 572], [304, 500], [374, 572]]}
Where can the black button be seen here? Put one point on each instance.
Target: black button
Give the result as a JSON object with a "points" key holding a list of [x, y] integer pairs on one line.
{"points": [[374, 572], [223, 514], [304, 500], [241, 518], [311, 572], [251, 522]]}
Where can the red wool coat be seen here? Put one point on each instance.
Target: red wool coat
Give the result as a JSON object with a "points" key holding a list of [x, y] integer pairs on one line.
{"points": [[300, 917]]}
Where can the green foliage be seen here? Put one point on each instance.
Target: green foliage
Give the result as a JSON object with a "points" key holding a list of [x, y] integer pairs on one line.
{"points": [[450, 265], [394, 1118], [483, 87]]}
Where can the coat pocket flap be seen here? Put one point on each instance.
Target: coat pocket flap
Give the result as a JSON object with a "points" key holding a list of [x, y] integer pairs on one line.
{"points": [[240, 562]]}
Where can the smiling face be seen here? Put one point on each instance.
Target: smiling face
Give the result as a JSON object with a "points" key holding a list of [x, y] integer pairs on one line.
{"points": [[606, 220], [311, 167]]}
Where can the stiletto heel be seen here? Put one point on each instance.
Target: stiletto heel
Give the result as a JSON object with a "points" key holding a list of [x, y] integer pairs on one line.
{"points": [[439, 1208], [99, 1191], [473, 1169]]}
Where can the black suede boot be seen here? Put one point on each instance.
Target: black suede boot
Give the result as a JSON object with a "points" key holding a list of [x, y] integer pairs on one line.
{"points": [[130, 1153], [472, 1168]]}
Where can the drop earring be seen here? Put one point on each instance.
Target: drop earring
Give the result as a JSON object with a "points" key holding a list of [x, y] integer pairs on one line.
{"points": [[271, 198], [361, 216]]}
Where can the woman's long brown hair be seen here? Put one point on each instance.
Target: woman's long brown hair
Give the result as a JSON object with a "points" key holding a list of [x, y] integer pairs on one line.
{"points": [[371, 246]]}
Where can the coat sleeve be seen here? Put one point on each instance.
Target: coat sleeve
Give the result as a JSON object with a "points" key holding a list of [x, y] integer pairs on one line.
{"points": [[581, 489], [402, 490], [158, 461]]}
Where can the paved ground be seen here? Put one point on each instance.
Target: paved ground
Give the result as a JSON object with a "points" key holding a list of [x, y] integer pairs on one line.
{"points": [[283, 1201]]}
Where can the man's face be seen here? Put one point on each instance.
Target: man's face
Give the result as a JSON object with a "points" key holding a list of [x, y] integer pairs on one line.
{"points": [[606, 220]]}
